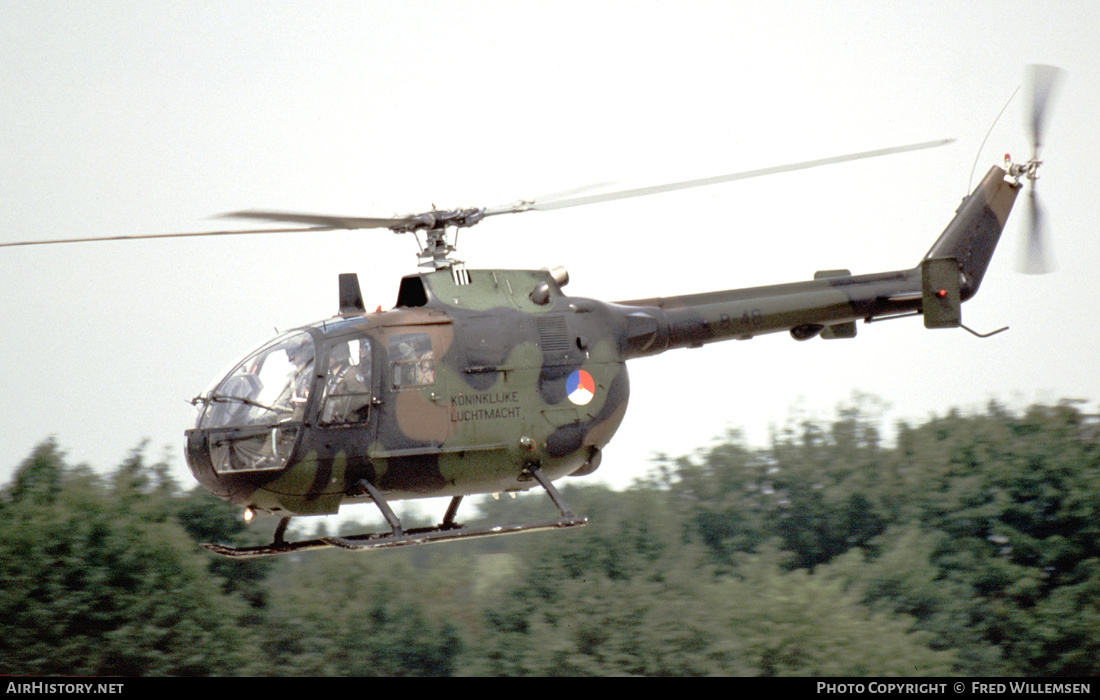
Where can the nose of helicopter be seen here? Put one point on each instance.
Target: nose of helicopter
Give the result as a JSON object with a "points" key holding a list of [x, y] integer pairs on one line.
{"points": [[249, 420]]}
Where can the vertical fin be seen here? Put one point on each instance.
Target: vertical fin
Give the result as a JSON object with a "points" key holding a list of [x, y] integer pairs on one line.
{"points": [[940, 295], [973, 234]]}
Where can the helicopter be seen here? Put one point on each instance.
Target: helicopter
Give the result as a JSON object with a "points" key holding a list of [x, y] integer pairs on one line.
{"points": [[498, 381]]}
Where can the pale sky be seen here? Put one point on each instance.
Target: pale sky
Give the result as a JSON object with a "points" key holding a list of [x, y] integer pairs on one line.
{"points": [[149, 117]]}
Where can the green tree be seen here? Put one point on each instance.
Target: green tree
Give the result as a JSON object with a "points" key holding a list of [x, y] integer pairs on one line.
{"points": [[794, 623], [339, 614], [993, 546], [98, 581]]}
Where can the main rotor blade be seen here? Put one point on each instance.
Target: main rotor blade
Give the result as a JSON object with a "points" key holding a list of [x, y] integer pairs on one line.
{"points": [[656, 189], [319, 222], [323, 221], [1044, 79], [165, 235]]}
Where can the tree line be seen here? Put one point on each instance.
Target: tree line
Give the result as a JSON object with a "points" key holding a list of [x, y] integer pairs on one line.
{"points": [[968, 544]]}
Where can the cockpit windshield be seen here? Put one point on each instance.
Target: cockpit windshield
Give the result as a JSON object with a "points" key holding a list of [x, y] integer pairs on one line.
{"points": [[270, 387]]}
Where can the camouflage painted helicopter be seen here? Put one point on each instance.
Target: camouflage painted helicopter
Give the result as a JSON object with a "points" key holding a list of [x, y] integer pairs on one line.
{"points": [[490, 381]]}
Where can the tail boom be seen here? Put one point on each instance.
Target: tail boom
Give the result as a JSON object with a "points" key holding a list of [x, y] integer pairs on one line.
{"points": [[808, 308]]}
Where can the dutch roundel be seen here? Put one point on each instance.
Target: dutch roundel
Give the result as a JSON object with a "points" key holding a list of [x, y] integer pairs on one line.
{"points": [[580, 387]]}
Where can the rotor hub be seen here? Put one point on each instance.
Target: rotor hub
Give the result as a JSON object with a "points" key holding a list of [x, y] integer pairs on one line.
{"points": [[436, 250], [1028, 169]]}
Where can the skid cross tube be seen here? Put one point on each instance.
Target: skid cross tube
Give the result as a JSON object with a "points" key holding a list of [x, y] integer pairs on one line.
{"points": [[383, 506], [452, 512], [563, 507], [446, 531]]}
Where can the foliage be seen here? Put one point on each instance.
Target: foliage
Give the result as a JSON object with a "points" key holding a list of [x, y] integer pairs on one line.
{"points": [[332, 616], [98, 579], [968, 545]]}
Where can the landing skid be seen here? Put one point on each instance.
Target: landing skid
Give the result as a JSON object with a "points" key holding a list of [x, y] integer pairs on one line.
{"points": [[446, 531]]}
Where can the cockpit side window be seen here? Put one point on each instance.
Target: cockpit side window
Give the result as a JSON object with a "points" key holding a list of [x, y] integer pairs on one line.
{"points": [[412, 359], [348, 395]]}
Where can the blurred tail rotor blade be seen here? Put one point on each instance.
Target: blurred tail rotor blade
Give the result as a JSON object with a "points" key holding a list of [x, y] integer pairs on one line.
{"points": [[1044, 80], [1036, 259]]}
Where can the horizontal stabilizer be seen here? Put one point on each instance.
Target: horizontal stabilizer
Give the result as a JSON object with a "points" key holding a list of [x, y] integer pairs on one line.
{"points": [[837, 330]]}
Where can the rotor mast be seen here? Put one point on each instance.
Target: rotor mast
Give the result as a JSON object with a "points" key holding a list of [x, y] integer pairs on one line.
{"points": [[435, 251]]}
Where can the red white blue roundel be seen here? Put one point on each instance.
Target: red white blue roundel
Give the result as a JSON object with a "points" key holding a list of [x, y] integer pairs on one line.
{"points": [[580, 387]]}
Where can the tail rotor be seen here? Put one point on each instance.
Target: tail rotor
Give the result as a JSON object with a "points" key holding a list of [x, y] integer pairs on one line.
{"points": [[1043, 81]]}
